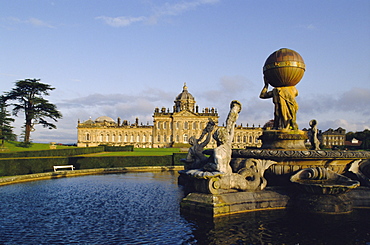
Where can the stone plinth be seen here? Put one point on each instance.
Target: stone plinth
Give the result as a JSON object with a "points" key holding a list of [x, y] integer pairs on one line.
{"points": [[210, 205], [283, 139]]}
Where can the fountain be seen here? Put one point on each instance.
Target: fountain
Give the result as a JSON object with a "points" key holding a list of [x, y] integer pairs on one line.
{"points": [[282, 173]]}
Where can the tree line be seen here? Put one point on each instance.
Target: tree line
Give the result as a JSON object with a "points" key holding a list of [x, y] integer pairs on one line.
{"points": [[28, 97]]}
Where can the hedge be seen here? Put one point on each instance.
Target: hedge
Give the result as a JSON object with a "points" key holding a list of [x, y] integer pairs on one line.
{"points": [[14, 166], [55, 152], [119, 148]]}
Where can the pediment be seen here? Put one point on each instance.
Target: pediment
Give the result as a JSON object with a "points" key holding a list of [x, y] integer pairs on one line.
{"points": [[185, 114]]}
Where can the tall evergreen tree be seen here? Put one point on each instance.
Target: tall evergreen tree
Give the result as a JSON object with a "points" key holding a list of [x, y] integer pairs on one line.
{"points": [[29, 94], [6, 130]]}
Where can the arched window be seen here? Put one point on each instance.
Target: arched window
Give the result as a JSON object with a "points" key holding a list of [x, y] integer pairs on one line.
{"points": [[138, 138], [132, 138], [101, 138], [113, 138], [125, 139], [245, 139], [120, 137], [107, 138], [238, 140]]}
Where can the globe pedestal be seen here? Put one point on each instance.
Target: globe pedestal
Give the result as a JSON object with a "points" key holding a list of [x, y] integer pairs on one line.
{"points": [[284, 139]]}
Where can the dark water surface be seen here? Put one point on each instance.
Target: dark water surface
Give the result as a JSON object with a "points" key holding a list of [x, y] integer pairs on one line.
{"points": [[143, 208]]}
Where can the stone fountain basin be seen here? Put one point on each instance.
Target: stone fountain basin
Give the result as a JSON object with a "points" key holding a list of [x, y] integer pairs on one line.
{"points": [[319, 180], [291, 161]]}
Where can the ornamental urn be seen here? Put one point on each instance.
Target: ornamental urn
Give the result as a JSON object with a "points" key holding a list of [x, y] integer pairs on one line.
{"points": [[284, 67]]}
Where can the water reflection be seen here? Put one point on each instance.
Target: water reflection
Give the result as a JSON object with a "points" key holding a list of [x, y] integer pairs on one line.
{"points": [[143, 208]]}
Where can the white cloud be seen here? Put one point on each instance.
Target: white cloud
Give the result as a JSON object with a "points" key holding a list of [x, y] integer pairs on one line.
{"points": [[120, 21], [31, 21], [167, 9]]}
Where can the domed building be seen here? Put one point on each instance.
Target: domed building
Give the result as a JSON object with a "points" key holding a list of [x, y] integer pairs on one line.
{"points": [[169, 129]]}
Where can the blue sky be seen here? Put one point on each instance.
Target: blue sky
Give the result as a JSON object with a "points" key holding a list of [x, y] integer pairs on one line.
{"points": [[124, 58]]}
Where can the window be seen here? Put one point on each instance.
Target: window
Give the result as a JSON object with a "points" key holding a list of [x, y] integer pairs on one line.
{"points": [[107, 138], [101, 138], [185, 138], [159, 138], [159, 125], [186, 125], [250, 139], [138, 138], [125, 139], [113, 138], [245, 139], [120, 137], [88, 137], [165, 125], [144, 138], [132, 138], [194, 125]]}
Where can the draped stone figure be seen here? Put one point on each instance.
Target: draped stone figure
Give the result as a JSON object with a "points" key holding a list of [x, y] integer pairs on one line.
{"points": [[286, 106]]}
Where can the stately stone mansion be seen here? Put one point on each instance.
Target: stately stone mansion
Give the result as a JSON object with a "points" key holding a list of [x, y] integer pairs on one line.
{"points": [[169, 129]]}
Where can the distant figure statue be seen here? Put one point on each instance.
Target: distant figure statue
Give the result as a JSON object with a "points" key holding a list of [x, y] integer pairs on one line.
{"points": [[286, 106], [195, 158], [224, 137], [315, 143]]}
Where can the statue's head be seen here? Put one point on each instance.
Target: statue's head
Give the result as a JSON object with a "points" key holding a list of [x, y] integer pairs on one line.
{"points": [[237, 104], [220, 136], [192, 140], [313, 123]]}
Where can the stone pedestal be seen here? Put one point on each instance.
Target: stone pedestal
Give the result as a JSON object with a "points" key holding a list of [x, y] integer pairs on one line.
{"points": [[283, 139], [209, 205]]}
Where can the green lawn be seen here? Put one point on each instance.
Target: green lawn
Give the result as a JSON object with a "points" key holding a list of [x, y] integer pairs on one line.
{"points": [[142, 152]]}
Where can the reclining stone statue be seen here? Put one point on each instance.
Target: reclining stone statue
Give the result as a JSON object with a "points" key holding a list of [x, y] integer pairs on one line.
{"points": [[217, 175]]}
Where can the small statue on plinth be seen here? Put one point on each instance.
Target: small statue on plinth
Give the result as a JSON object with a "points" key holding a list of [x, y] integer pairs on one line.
{"points": [[314, 140]]}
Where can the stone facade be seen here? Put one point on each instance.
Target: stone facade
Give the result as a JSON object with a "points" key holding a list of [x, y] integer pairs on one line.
{"points": [[332, 137], [169, 129]]}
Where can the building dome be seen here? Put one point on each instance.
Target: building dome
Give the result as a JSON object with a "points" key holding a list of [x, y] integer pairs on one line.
{"points": [[185, 95], [184, 101], [104, 119]]}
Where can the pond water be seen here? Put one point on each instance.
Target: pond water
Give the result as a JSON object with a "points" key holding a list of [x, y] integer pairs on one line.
{"points": [[143, 208]]}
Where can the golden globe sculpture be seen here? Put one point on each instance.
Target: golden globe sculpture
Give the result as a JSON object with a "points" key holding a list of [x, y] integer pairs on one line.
{"points": [[284, 67]]}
